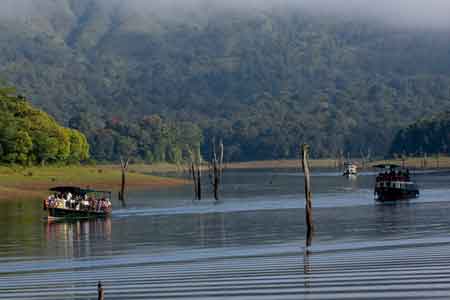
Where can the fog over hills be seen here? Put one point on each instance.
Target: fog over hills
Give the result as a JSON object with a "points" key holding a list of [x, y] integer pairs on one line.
{"points": [[265, 76], [431, 13]]}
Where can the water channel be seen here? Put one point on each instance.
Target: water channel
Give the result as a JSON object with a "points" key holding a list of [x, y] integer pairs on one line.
{"points": [[250, 245]]}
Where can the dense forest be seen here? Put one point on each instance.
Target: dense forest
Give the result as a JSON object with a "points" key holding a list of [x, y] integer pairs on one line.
{"points": [[30, 136], [263, 81], [152, 139], [427, 136]]}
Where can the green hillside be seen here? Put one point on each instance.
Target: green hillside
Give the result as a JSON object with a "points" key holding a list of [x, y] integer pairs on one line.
{"points": [[263, 81], [30, 136]]}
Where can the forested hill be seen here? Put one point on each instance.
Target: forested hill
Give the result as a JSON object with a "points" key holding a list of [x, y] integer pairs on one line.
{"points": [[263, 81], [427, 136]]}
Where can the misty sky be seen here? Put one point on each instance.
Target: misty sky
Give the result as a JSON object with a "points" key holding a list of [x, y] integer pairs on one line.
{"points": [[422, 13]]}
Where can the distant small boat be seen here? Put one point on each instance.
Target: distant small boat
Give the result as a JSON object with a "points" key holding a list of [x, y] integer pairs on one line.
{"points": [[350, 169], [394, 183], [76, 203]]}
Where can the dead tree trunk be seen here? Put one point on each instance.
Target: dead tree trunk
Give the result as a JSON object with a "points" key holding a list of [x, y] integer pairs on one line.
{"points": [[196, 180], [308, 195], [216, 168], [199, 183], [341, 159], [124, 166], [196, 174], [101, 292], [221, 150]]}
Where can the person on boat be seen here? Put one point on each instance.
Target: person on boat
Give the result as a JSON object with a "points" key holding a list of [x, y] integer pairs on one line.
{"points": [[85, 203]]}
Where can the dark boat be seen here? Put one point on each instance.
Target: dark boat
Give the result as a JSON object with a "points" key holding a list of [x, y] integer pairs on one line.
{"points": [[394, 183], [76, 203]]}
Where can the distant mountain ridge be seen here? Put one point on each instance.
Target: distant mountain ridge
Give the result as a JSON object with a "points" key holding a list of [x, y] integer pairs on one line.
{"points": [[263, 81]]}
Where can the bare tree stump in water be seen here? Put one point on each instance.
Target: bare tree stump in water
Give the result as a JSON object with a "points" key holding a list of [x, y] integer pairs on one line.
{"points": [[196, 174], [199, 183], [101, 292], [216, 168], [124, 166], [197, 180], [308, 195]]}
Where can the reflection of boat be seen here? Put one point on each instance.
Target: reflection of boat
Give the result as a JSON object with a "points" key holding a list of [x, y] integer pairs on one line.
{"points": [[79, 237], [77, 203], [394, 183], [350, 169]]}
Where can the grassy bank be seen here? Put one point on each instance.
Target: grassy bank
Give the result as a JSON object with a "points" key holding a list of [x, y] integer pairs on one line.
{"points": [[19, 183], [432, 162], [283, 164]]}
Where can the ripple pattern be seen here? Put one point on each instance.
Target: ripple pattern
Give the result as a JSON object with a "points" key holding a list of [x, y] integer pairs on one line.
{"points": [[420, 270]]}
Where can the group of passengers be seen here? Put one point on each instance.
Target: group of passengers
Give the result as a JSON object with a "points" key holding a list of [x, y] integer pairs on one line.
{"points": [[78, 202], [400, 175]]}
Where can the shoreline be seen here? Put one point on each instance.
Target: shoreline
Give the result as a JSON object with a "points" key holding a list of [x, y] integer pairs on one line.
{"points": [[416, 163], [34, 182]]}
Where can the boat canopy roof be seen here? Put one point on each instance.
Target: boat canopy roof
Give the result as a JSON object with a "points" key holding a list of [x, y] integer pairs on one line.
{"points": [[76, 190], [387, 166]]}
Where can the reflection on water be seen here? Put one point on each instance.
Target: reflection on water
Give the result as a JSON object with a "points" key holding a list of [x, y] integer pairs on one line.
{"points": [[163, 245], [74, 238], [307, 270]]}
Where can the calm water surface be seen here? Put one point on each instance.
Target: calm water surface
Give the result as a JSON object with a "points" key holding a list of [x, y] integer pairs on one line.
{"points": [[163, 245]]}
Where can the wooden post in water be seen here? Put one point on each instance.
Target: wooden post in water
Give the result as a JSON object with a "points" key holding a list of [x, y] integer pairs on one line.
{"points": [[308, 195], [124, 166], [101, 292]]}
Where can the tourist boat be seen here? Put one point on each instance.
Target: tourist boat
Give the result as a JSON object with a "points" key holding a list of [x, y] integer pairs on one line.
{"points": [[394, 183], [76, 203], [350, 169]]}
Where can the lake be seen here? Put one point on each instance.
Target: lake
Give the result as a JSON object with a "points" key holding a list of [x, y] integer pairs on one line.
{"points": [[250, 245]]}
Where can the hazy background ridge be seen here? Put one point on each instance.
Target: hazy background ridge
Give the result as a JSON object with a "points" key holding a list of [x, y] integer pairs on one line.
{"points": [[263, 76], [430, 13]]}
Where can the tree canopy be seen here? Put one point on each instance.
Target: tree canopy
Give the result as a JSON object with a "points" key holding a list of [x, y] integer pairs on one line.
{"points": [[30, 136], [152, 139], [264, 82], [426, 136]]}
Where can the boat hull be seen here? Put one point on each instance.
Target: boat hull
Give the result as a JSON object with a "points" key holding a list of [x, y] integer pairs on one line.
{"points": [[395, 194], [59, 213]]}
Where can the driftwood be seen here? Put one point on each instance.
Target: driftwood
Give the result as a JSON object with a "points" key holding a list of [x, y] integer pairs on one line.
{"points": [[308, 195], [124, 166], [101, 292]]}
